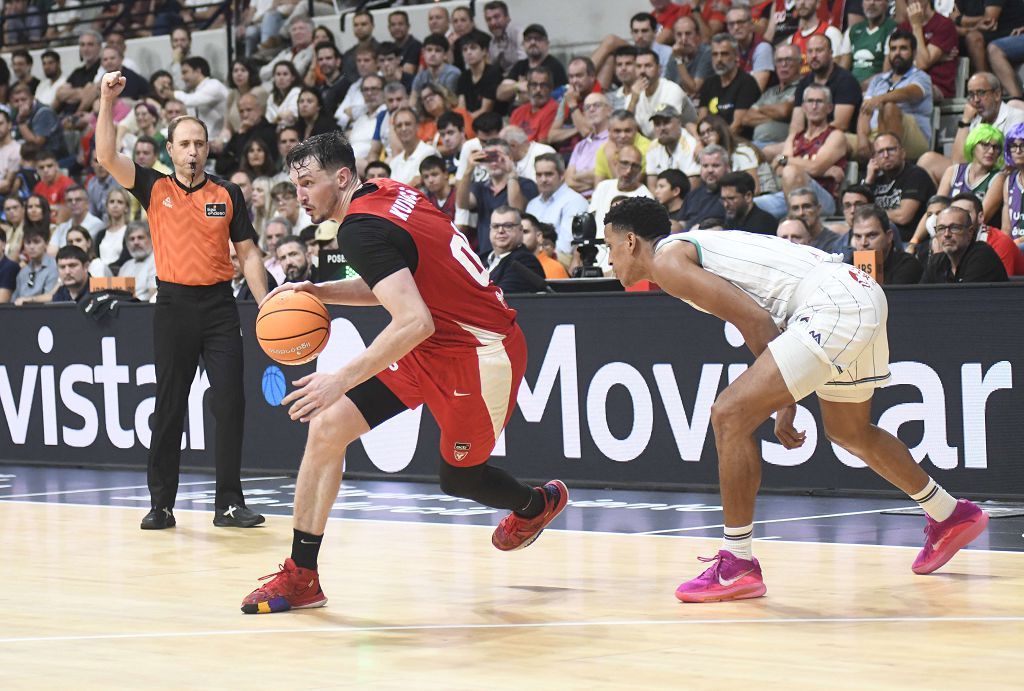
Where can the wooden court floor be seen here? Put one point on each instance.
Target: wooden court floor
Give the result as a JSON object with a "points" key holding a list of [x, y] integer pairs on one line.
{"points": [[91, 602]]}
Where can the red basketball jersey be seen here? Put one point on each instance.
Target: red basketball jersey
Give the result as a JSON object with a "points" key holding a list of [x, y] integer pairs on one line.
{"points": [[469, 311]]}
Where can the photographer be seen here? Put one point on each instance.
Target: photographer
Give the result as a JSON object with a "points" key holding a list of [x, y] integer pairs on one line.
{"points": [[504, 188], [510, 262]]}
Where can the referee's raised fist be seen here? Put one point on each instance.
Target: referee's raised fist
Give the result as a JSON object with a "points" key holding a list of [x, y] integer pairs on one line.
{"points": [[111, 85]]}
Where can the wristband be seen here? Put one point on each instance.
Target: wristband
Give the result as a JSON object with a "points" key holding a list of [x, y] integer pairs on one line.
{"points": [[961, 124]]}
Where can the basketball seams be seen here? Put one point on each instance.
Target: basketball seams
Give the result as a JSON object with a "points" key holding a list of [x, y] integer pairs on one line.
{"points": [[323, 314], [293, 336]]}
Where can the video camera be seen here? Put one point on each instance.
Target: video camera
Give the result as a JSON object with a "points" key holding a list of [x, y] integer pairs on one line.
{"points": [[585, 240]]}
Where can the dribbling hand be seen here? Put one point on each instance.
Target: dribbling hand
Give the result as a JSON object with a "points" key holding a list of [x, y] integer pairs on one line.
{"points": [[111, 85], [303, 287]]}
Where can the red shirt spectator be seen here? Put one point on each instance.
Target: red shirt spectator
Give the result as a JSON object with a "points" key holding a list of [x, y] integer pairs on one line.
{"points": [[1009, 254], [536, 123], [669, 12], [536, 115], [941, 32], [52, 183]]}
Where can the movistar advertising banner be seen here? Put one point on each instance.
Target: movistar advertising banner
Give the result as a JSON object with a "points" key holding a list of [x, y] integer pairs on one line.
{"points": [[618, 392]]}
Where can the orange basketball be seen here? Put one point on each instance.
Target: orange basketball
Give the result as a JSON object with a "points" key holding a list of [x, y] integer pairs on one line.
{"points": [[293, 327]]}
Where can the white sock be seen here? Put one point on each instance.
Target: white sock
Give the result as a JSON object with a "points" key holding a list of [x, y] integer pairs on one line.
{"points": [[739, 541], [935, 501]]}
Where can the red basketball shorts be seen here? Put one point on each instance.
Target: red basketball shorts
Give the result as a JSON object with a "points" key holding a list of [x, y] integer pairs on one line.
{"points": [[470, 394]]}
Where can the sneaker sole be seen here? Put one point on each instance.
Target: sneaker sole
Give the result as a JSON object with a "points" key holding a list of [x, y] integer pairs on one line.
{"points": [[255, 608], [563, 492], [158, 527], [745, 593], [233, 524], [957, 544]]}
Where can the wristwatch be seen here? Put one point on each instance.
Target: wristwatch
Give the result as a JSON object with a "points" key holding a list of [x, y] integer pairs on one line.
{"points": [[961, 124]]}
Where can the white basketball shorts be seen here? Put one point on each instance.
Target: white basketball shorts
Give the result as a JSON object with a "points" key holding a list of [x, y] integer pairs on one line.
{"points": [[835, 342]]}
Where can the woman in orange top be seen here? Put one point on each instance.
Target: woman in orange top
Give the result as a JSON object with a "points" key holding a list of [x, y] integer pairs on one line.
{"points": [[435, 99]]}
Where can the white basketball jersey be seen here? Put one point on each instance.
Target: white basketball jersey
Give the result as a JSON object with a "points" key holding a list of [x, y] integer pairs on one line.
{"points": [[765, 267]]}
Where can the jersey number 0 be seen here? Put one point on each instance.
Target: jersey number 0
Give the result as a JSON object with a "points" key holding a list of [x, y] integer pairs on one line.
{"points": [[464, 255]]}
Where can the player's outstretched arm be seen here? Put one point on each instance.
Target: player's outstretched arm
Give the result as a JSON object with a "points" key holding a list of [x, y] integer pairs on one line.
{"points": [[119, 165], [678, 273]]}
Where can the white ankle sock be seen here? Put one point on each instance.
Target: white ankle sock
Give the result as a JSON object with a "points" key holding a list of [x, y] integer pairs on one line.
{"points": [[739, 541], [935, 501]]}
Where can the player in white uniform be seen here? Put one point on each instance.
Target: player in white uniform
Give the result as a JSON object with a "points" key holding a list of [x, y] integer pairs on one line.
{"points": [[832, 342]]}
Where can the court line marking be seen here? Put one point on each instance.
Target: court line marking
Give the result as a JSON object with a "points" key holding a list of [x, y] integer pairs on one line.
{"points": [[118, 489], [491, 527], [770, 520], [525, 625]]}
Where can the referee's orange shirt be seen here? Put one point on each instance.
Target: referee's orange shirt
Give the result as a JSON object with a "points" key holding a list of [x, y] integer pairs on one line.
{"points": [[191, 228]]}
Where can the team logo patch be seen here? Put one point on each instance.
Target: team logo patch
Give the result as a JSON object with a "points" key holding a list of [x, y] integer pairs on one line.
{"points": [[216, 210], [461, 450]]}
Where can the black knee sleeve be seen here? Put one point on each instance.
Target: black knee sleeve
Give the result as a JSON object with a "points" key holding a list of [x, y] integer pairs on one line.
{"points": [[485, 485]]}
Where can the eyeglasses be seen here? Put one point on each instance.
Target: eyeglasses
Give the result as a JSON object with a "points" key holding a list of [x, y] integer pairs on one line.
{"points": [[506, 226], [632, 165], [991, 146], [32, 279], [971, 95], [1017, 146], [953, 228], [538, 85], [887, 151], [593, 106]]}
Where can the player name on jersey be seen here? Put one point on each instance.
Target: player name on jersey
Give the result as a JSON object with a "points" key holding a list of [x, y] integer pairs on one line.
{"points": [[404, 203]]}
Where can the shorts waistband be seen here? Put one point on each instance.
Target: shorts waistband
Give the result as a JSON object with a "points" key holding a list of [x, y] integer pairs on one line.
{"points": [[184, 289], [809, 283]]}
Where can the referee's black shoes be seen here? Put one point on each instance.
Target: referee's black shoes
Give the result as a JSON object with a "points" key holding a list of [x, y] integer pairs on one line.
{"points": [[158, 519], [235, 516]]}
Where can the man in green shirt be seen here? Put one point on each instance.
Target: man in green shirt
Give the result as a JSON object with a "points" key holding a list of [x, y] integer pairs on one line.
{"points": [[863, 49]]}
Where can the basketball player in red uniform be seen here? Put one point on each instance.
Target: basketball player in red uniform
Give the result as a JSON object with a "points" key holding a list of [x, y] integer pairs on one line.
{"points": [[453, 345]]}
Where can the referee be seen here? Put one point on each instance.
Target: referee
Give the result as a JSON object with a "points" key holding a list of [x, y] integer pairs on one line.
{"points": [[192, 217]]}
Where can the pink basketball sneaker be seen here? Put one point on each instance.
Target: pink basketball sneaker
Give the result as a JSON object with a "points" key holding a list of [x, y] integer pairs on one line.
{"points": [[943, 540], [729, 578]]}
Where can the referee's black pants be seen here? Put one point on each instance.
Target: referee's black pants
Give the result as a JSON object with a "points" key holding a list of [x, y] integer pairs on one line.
{"points": [[190, 321]]}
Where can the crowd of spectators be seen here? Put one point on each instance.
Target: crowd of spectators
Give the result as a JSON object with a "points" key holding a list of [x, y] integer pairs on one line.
{"points": [[808, 119]]}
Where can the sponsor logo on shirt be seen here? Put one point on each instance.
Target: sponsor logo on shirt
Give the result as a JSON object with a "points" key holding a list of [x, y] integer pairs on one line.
{"points": [[216, 210], [461, 450], [167, 203]]}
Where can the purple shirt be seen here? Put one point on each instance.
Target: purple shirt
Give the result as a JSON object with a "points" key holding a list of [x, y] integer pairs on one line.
{"points": [[584, 154]]}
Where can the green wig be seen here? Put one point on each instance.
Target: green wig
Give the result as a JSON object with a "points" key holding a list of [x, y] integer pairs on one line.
{"points": [[984, 133]]}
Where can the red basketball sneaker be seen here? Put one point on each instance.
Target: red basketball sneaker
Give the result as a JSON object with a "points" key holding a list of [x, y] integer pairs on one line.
{"points": [[515, 532], [290, 588]]}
